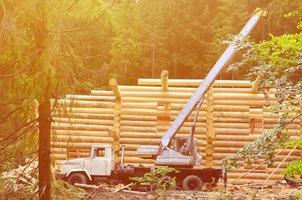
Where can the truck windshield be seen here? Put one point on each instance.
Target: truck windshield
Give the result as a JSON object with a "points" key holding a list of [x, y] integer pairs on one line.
{"points": [[99, 152]]}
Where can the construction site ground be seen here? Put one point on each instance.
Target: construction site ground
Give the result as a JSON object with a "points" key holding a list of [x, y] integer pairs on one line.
{"points": [[250, 192]]}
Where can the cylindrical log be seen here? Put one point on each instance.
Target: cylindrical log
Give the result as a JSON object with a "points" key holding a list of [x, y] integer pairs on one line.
{"points": [[138, 129], [253, 176], [199, 130], [90, 97], [183, 95], [161, 94], [138, 123], [83, 115], [59, 144], [81, 103], [230, 144], [143, 135], [201, 118], [248, 181], [79, 139], [232, 125], [81, 133], [58, 150], [84, 110], [181, 89], [102, 93], [230, 120], [139, 105], [226, 150], [134, 111], [237, 138], [138, 117], [82, 121], [234, 132], [241, 108], [195, 82], [241, 96], [179, 106], [67, 126], [149, 99], [242, 102]]}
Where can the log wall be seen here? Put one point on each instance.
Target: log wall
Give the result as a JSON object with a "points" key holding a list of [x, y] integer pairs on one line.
{"points": [[232, 114]]}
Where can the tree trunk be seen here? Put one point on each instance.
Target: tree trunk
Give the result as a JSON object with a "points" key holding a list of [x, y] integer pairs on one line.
{"points": [[44, 151], [44, 103]]}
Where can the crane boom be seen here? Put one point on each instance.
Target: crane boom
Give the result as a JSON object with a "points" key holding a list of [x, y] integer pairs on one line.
{"points": [[208, 81]]}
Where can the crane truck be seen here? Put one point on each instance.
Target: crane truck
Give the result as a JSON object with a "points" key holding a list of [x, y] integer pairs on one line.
{"points": [[179, 153]]}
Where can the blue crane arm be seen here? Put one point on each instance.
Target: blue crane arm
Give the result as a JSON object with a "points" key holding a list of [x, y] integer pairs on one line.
{"points": [[208, 81]]}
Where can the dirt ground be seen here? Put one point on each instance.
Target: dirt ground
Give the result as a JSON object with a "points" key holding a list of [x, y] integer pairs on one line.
{"points": [[249, 192]]}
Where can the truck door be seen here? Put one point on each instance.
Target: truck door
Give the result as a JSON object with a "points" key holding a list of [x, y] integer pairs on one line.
{"points": [[99, 163]]}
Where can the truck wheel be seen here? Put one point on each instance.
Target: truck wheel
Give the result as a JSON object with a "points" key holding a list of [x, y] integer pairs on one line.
{"points": [[192, 182], [77, 178]]}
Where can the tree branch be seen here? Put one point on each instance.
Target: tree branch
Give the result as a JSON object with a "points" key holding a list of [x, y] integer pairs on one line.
{"points": [[23, 68], [14, 132], [293, 119], [12, 101], [2, 120], [72, 5], [87, 26]]}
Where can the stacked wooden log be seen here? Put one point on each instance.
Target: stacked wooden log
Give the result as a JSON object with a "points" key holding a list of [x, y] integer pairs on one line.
{"points": [[80, 121], [237, 115], [232, 114]]}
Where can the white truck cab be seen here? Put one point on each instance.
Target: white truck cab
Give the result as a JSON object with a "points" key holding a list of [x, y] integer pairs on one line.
{"points": [[81, 170]]}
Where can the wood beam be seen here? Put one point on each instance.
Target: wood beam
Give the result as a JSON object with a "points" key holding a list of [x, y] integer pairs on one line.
{"points": [[256, 85], [115, 133], [164, 80], [210, 129]]}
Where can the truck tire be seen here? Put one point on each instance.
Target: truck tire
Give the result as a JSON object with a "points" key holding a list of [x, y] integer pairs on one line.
{"points": [[192, 182], [77, 178]]}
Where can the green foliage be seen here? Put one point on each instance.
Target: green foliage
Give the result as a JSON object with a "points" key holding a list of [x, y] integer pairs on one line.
{"points": [[153, 177], [16, 153], [225, 196], [254, 196], [262, 146], [294, 169], [277, 64], [159, 179], [297, 13], [298, 196], [293, 144]]}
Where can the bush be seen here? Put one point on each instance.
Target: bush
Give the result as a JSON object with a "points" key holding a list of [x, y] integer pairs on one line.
{"points": [[159, 179]]}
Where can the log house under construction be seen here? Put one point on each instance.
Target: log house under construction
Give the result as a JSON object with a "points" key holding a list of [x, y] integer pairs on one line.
{"points": [[232, 115]]}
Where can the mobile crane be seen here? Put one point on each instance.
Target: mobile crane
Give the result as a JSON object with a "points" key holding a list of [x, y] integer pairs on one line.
{"points": [[180, 153]]}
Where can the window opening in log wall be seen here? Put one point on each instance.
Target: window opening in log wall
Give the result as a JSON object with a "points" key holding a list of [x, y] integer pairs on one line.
{"points": [[256, 120]]}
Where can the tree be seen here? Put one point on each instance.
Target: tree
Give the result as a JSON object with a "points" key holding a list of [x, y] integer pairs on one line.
{"points": [[126, 47], [277, 64], [34, 61]]}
